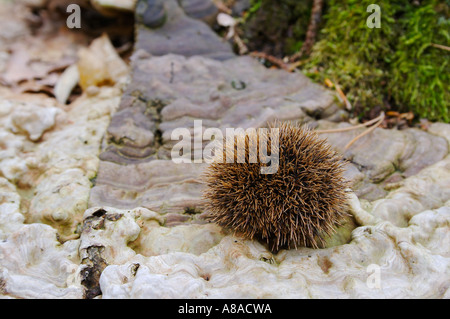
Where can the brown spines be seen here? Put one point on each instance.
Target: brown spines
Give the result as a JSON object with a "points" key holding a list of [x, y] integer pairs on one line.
{"points": [[297, 206]]}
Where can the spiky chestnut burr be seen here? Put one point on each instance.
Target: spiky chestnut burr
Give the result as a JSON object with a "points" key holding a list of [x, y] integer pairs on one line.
{"points": [[299, 205]]}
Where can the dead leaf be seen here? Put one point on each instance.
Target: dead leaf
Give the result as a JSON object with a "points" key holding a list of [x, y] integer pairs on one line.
{"points": [[329, 83], [66, 83], [100, 64]]}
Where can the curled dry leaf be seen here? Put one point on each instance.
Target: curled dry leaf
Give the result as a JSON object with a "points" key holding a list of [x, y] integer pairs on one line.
{"points": [[66, 83], [227, 21], [100, 64]]}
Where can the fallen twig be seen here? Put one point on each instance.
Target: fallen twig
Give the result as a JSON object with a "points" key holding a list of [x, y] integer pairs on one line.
{"points": [[378, 120], [311, 33], [290, 67], [341, 93], [366, 131], [222, 7], [274, 60], [440, 46], [241, 45], [351, 128]]}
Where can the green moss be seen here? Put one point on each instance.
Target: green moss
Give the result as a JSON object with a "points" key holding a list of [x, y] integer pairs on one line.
{"points": [[389, 67], [353, 55], [419, 71], [393, 67], [93, 180], [255, 6]]}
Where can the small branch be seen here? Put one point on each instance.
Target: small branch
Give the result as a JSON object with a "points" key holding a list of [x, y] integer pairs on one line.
{"points": [[378, 120], [241, 45], [222, 7], [314, 21], [274, 60], [347, 103], [365, 132], [440, 46], [341, 93], [351, 128]]}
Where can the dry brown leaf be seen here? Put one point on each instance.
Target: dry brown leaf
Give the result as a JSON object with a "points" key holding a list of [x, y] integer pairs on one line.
{"points": [[66, 83], [100, 64]]}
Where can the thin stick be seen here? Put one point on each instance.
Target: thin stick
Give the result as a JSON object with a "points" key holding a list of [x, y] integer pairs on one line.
{"points": [[311, 33], [222, 7], [271, 59], [343, 97], [344, 129], [241, 45], [365, 132], [440, 46], [341, 94]]}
